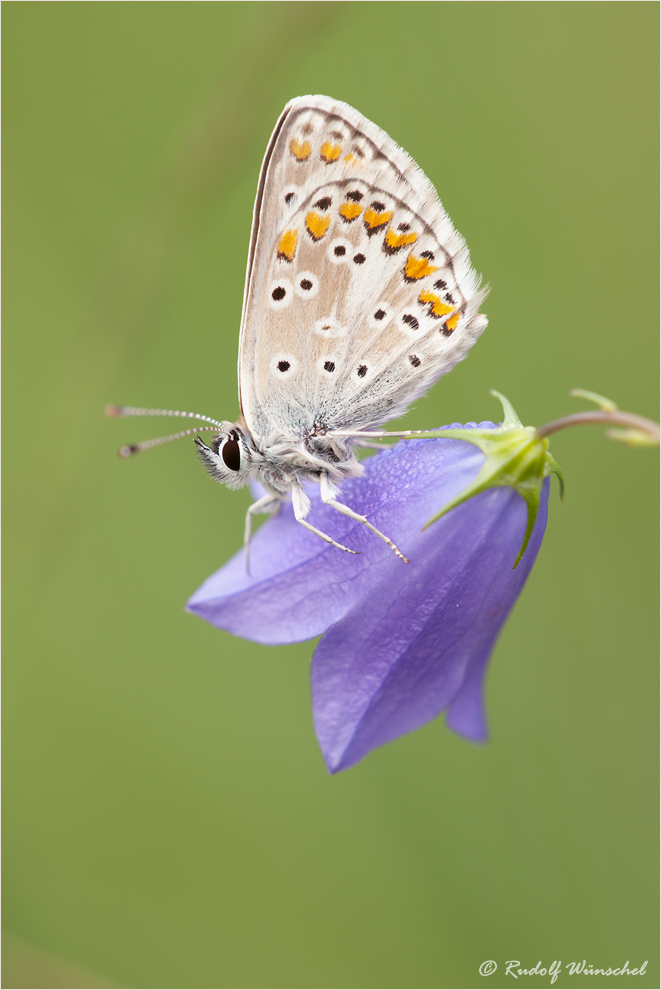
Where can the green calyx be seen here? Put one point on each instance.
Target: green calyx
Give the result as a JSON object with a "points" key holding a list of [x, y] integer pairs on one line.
{"points": [[515, 457]]}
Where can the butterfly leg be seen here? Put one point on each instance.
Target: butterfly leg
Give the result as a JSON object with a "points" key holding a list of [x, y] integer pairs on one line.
{"points": [[301, 505], [328, 493], [267, 503]]}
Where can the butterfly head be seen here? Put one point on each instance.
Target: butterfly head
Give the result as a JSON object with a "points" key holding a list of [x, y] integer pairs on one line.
{"points": [[229, 457]]}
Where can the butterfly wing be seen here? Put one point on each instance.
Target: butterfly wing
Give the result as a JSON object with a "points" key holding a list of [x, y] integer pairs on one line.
{"points": [[359, 292]]}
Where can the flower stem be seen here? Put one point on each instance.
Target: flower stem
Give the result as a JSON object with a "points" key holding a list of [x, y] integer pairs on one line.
{"points": [[609, 417]]}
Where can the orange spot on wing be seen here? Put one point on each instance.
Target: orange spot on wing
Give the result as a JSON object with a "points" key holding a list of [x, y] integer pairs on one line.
{"points": [[437, 307], [353, 160], [316, 225], [394, 242], [300, 151], [330, 152], [349, 211], [373, 220], [287, 245], [452, 322], [416, 268]]}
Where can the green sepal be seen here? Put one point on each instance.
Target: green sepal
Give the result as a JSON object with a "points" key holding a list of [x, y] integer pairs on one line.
{"points": [[515, 457]]}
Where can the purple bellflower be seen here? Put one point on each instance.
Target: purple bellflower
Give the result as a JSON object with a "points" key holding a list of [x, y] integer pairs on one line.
{"points": [[400, 642]]}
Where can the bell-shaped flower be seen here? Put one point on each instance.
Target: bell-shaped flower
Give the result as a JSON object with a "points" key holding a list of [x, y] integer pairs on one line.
{"points": [[400, 642]]}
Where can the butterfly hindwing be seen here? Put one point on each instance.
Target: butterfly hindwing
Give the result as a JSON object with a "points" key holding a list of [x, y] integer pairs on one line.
{"points": [[359, 292]]}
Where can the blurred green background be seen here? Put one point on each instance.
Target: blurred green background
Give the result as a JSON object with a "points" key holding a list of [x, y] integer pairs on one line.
{"points": [[168, 821]]}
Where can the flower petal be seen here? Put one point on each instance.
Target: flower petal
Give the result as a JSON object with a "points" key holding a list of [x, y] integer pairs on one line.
{"points": [[421, 645], [402, 642], [298, 585]]}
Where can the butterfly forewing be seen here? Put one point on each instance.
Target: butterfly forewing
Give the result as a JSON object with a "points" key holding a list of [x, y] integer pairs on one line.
{"points": [[359, 292]]}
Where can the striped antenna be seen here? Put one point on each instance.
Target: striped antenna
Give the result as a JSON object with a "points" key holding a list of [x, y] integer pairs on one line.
{"points": [[121, 411], [130, 449]]}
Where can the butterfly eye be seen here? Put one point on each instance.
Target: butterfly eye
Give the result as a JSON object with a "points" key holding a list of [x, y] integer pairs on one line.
{"points": [[231, 453]]}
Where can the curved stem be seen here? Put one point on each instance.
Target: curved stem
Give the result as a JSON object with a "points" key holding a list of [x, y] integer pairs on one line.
{"points": [[608, 417]]}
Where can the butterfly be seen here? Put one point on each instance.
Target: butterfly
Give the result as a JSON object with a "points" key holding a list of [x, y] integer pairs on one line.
{"points": [[359, 295]]}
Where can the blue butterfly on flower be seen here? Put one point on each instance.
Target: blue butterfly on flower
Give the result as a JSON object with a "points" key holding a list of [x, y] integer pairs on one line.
{"points": [[338, 335], [400, 642]]}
